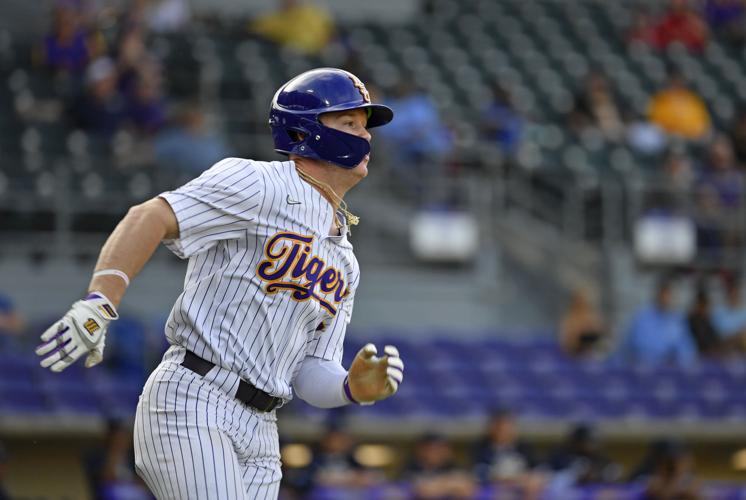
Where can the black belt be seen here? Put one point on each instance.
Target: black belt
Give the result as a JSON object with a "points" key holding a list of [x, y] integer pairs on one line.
{"points": [[246, 393]]}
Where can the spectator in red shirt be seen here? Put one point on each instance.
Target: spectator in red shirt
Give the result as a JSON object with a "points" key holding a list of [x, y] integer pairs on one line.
{"points": [[682, 24]]}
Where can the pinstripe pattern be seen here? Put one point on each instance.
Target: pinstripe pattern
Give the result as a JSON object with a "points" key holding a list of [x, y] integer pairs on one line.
{"points": [[195, 441], [192, 438], [226, 216]]}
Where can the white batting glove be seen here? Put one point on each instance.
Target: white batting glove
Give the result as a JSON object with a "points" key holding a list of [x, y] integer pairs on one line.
{"points": [[81, 331], [371, 378]]}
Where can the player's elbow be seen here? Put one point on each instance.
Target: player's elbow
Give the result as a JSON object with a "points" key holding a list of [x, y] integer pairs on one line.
{"points": [[320, 383], [157, 215], [311, 396]]}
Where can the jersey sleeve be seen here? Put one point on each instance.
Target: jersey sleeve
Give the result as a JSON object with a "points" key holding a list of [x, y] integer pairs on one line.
{"points": [[218, 205], [329, 343]]}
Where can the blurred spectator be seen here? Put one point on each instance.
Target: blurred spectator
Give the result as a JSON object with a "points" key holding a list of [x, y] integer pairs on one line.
{"points": [[700, 324], [69, 47], [334, 463], [4, 495], [189, 146], [722, 174], [501, 123], [596, 106], [582, 330], [682, 24], [11, 324], [102, 109], [730, 318], [502, 458], [644, 137], [434, 474], [418, 141], [419, 133], [678, 110], [113, 473], [738, 139], [299, 24], [134, 62], [658, 333], [672, 476], [679, 176], [145, 107], [581, 460], [711, 234], [726, 19], [673, 196], [139, 81], [657, 450], [720, 198]]}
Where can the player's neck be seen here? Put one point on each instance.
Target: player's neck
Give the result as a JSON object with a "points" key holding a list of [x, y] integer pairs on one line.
{"points": [[336, 179]]}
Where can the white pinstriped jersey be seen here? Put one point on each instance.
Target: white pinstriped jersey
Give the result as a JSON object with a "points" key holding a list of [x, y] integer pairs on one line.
{"points": [[265, 284]]}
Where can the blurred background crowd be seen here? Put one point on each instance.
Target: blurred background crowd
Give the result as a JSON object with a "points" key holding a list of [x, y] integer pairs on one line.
{"points": [[553, 233]]}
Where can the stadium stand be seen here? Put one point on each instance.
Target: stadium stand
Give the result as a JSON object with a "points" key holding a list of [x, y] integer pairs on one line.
{"points": [[538, 53]]}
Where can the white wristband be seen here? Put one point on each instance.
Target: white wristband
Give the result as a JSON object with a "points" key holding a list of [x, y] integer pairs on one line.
{"points": [[113, 272]]}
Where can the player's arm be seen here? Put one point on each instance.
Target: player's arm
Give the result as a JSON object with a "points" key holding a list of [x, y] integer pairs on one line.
{"points": [[325, 383], [83, 329], [132, 244]]}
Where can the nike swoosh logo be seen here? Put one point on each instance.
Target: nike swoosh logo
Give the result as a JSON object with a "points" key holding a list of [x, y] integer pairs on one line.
{"points": [[292, 201]]}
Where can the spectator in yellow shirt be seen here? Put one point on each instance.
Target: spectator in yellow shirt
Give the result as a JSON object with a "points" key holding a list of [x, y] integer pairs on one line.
{"points": [[678, 110], [298, 24]]}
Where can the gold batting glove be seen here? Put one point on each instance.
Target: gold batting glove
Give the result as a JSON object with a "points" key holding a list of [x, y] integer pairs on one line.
{"points": [[371, 378]]}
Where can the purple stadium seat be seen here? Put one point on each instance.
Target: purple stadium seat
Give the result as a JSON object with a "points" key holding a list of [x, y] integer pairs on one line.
{"points": [[23, 400], [15, 367]]}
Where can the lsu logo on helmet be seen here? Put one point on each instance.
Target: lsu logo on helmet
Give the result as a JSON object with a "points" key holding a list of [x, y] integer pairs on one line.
{"points": [[361, 87]]}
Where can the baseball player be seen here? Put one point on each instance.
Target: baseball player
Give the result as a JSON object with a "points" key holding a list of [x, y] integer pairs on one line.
{"points": [[267, 297]]}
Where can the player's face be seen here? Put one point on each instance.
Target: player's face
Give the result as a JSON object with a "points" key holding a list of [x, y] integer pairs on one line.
{"points": [[352, 122]]}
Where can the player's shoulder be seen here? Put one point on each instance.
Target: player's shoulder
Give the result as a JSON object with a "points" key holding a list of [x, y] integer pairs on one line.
{"points": [[247, 167]]}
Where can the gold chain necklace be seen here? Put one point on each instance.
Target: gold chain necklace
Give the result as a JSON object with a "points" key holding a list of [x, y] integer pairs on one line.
{"points": [[352, 219]]}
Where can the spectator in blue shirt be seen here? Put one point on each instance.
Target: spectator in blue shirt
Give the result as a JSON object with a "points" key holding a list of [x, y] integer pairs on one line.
{"points": [[729, 319], [189, 146], [658, 333], [420, 143], [501, 123]]}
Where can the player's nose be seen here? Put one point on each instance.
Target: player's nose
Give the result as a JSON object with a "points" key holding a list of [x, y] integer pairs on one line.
{"points": [[365, 134]]}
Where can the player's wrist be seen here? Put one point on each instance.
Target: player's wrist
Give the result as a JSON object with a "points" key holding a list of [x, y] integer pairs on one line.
{"points": [[101, 304], [348, 392]]}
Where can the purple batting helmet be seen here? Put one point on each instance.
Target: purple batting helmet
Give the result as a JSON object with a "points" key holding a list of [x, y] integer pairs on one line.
{"points": [[297, 105]]}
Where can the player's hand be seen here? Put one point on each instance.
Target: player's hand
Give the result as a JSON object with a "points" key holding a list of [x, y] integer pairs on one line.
{"points": [[371, 378], [81, 331]]}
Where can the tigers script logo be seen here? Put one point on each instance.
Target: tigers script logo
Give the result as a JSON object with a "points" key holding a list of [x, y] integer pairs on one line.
{"points": [[289, 265]]}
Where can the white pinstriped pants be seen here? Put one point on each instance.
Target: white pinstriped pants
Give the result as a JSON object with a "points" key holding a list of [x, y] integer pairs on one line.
{"points": [[195, 441]]}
